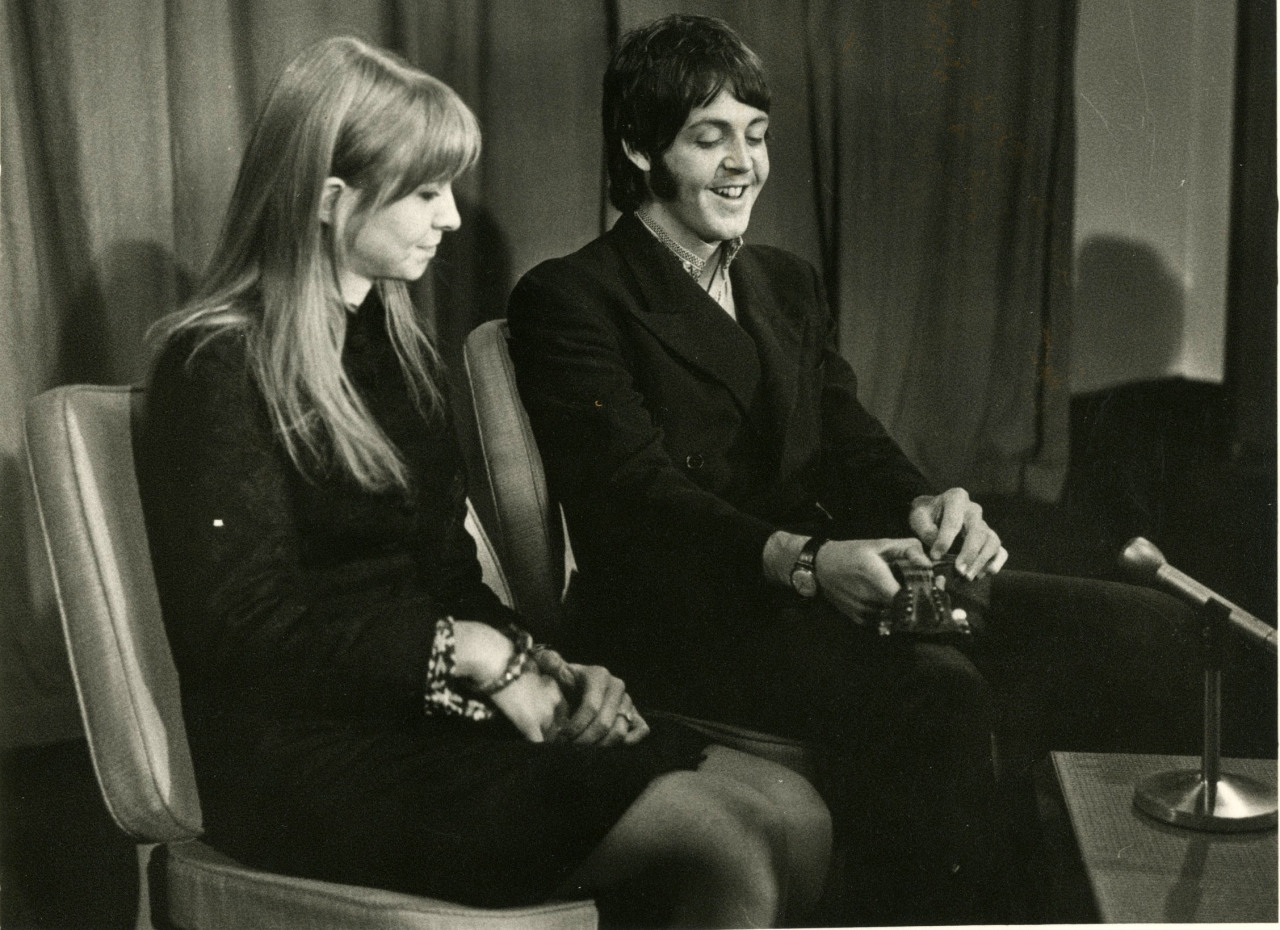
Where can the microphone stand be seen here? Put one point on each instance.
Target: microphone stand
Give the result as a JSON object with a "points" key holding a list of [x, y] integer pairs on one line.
{"points": [[1209, 799]]}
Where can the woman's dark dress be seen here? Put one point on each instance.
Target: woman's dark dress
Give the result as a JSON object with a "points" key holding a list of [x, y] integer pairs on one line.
{"points": [[301, 617]]}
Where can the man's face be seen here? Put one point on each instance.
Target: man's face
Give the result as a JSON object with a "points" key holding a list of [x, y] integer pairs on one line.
{"points": [[713, 172]]}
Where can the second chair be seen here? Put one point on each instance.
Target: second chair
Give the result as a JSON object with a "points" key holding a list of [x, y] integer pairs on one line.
{"points": [[513, 502]]}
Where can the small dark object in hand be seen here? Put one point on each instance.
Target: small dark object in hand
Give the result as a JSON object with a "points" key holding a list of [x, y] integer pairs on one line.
{"points": [[922, 606]]}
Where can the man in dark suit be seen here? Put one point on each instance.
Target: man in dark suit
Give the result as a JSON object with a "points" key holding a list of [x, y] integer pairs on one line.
{"points": [[736, 514]]}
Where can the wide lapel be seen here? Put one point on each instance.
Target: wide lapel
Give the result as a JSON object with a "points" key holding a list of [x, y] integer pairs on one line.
{"points": [[778, 322], [684, 317]]}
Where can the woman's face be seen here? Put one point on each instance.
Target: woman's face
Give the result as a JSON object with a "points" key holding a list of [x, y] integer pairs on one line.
{"points": [[398, 240]]}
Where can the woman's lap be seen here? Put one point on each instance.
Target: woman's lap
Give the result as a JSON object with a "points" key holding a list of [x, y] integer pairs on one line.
{"points": [[466, 812]]}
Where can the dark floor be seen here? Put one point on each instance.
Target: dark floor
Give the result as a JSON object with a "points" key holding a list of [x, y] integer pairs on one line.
{"points": [[1148, 460], [63, 863]]}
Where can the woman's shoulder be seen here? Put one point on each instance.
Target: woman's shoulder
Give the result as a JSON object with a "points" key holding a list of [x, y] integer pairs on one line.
{"points": [[196, 352], [201, 367]]}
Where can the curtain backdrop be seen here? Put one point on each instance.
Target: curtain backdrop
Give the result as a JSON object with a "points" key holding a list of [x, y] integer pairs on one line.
{"points": [[921, 160]]}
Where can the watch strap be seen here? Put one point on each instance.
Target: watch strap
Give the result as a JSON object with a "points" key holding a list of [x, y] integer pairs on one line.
{"points": [[806, 561], [808, 556]]}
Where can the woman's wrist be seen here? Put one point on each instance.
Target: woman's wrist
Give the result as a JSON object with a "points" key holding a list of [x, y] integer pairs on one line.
{"points": [[487, 660], [482, 653]]}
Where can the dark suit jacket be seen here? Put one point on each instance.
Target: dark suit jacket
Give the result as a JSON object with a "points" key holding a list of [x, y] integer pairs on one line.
{"points": [[678, 440]]}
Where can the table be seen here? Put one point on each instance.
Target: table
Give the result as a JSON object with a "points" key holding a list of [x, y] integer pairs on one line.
{"points": [[1141, 870]]}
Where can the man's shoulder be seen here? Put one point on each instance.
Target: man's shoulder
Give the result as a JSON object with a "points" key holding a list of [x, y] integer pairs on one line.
{"points": [[599, 259], [776, 262], [780, 277], [612, 269], [586, 280], [603, 259]]}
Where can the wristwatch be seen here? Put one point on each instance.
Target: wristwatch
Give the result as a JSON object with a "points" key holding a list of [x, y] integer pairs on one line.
{"points": [[803, 577]]}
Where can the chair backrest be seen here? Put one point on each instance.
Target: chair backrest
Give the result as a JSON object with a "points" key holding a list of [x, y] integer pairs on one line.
{"points": [[526, 523], [80, 450], [490, 567], [528, 526]]}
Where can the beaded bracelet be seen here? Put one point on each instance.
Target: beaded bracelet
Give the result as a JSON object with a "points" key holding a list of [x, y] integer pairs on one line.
{"points": [[517, 665], [440, 697]]}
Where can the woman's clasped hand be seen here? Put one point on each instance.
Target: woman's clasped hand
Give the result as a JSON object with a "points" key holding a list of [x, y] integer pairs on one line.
{"points": [[549, 699]]}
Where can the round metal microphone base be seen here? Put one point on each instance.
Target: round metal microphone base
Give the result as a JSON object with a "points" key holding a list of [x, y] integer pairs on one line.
{"points": [[1184, 799]]}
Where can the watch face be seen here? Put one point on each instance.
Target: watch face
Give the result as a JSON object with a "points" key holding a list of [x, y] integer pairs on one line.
{"points": [[803, 580]]}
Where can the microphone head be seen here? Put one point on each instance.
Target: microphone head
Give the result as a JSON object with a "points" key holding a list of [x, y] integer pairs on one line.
{"points": [[1141, 558]]}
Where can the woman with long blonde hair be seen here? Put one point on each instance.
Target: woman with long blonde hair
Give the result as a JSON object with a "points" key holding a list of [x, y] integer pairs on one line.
{"points": [[360, 707]]}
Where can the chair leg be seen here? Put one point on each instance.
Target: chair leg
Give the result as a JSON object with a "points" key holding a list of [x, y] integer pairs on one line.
{"points": [[155, 891]]}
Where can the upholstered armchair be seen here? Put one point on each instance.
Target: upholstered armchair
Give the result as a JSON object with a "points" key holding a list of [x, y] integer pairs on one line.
{"points": [[512, 500], [79, 441]]}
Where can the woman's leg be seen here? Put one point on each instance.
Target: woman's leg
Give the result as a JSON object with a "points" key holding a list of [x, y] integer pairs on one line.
{"points": [[806, 820], [907, 726], [717, 847]]}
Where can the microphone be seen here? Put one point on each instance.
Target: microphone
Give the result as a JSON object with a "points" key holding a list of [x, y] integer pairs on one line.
{"points": [[1147, 564]]}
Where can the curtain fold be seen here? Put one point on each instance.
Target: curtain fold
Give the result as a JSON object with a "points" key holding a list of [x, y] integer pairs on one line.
{"points": [[921, 160], [947, 229]]}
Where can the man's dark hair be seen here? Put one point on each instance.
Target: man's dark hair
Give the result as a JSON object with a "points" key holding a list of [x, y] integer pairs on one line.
{"points": [[658, 74]]}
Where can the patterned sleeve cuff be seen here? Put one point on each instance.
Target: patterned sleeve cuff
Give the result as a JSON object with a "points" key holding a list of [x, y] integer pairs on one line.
{"points": [[441, 699]]}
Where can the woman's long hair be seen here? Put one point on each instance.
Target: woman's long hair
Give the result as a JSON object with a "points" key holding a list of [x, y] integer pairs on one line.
{"points": [[342, 108]]}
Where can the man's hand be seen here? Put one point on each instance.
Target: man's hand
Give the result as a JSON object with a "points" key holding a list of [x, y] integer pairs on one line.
{"points": [[602, 711], [854, 575], [939, 518]]}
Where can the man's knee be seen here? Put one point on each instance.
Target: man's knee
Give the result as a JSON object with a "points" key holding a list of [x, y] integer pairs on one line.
{"points": [[944, 678]]}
